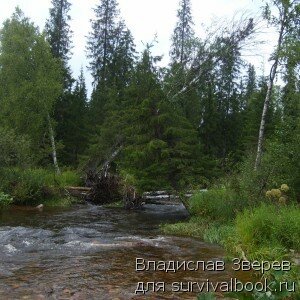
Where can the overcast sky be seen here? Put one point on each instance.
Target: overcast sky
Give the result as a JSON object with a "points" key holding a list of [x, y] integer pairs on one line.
{"points": [[144, 18]]}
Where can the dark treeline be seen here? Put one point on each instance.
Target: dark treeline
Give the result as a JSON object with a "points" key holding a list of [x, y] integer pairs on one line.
{"points": [[178, 127]]}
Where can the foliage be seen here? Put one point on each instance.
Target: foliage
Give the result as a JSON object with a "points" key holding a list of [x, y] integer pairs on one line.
{"points": [[31, 77], [280, 164], [28, 186], [15, 149], [161, 148], [5, 199], [269, 226], [217, 204]]}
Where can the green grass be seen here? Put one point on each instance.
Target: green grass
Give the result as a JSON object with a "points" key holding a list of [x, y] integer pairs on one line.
{"points": [[202, 228], [269, 231], [32, 186], [5, 200], [220, 205], [60, 202], [193, 228]]}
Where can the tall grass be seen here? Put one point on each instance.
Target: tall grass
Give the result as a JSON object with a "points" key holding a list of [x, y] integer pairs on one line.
{"points": [[28, 186], [217, 204], [269, 227]]}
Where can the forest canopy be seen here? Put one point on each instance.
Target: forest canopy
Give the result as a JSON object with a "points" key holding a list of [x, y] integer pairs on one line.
{"points": [[205, 116]]}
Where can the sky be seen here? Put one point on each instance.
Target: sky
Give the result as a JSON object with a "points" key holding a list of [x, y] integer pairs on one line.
{"points": [[145, 19]]}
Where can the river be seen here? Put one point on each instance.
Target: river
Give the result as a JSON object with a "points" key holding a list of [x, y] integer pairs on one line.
{"points": [[89, 252]]}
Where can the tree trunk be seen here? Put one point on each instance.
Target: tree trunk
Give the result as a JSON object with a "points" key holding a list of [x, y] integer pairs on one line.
{"points": [[268, 97], [54, 155]]}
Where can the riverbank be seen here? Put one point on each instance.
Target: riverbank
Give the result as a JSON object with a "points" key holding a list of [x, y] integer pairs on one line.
{"points": [[32, 187], [263, 231]]}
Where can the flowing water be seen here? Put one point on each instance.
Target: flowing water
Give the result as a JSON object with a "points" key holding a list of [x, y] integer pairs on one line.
{"points": [[89, 252]]}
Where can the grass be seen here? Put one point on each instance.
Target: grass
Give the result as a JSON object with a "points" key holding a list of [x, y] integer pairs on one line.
{"points": [[193, 228], [269, 230], [220, 205], [35, 186], [258, 229], [60, 202], [202, 228]]}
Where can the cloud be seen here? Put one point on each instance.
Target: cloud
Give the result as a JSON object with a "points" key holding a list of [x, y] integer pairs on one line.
{"points": [[143, 17]]}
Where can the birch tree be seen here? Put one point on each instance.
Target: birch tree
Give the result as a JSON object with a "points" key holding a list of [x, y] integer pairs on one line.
{"points": [[31, 77], [288, 11]]}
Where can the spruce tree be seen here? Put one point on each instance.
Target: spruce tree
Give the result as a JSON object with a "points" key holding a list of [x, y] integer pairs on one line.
{"points": [[101, 41], [75, 129], [111, 51], [161, 147], [183, 36], [59, 35], [181, 54]]}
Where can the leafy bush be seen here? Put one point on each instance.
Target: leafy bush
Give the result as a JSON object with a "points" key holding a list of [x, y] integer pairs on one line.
{"points": [[217, 204], [269, 227], [15, 149], [280, 164], [5, 199]]}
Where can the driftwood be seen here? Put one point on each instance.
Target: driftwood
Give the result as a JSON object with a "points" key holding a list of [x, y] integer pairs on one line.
{"points": [[131, 199], [78, 191], [104, 188], [107, 187]]}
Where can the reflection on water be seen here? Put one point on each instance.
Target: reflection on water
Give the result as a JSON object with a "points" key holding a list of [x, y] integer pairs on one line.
{"points": [[89, 252]]}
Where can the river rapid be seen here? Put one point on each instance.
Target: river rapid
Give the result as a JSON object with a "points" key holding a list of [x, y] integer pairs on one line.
{"points": [[89, 252]]}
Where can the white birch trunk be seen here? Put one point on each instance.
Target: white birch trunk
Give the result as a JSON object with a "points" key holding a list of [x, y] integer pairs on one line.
{"points": [[54, 155], [267, 98]]}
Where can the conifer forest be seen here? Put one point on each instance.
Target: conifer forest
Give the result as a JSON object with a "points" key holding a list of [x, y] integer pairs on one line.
{"points": [[208, 127]]}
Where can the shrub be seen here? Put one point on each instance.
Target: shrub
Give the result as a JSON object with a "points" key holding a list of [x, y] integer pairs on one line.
{"points": [[14, 149], [5, 200], [269, 227]]}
